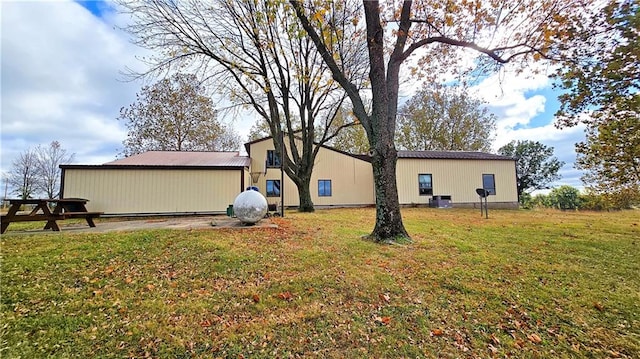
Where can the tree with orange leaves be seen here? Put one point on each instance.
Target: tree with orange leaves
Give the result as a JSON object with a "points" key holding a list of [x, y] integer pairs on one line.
{"points": [[427, 38]]}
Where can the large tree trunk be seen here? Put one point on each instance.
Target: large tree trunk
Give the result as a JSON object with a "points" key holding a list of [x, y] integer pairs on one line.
{"points": [[301, 176], [304, 194], [380, 129], [299, 173], [380, 125], [302, 179], [389, 226]]}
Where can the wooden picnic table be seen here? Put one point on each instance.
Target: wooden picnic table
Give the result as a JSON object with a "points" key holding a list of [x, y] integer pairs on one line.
{"points": [[63, 208]]}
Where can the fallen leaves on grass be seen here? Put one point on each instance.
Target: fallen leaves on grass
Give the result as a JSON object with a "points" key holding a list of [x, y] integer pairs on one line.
{"points": [[310, 290], [615, 354], [206, 323], [384, 297], [382, 320], [519, 343], [492, 349], [222, 293], [494, 339], [534, 338], [462, 341]]}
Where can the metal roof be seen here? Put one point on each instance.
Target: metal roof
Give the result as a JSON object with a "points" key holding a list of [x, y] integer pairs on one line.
{"points": [[438, 155], [183, 158], [365, 158], [453, 155]]}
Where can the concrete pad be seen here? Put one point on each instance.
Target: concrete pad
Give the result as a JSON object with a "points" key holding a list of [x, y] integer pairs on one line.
{"points": [[114, 224]]}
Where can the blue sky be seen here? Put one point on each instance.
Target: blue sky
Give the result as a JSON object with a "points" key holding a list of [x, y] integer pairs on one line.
{"points": [[61, 80], [97, 8], [550, 107]]}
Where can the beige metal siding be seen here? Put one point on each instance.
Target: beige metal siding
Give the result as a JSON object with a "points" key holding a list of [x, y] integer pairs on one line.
{"points": [[125, 191], [351, 178], [258, 160], [290, 189], [458, 178], [246, 180], [258, 154]]}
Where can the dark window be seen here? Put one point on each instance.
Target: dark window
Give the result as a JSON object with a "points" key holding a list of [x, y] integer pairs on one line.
{"points": [[324, 188], [489, 183], [273, 160], [425, 186], [273, 188]]}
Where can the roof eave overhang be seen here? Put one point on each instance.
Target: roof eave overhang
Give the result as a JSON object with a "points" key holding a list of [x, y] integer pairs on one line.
{"points": [[152, 167]]}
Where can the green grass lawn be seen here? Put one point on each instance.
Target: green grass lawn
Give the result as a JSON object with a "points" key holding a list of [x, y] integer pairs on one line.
{"points": [[534, 284]]}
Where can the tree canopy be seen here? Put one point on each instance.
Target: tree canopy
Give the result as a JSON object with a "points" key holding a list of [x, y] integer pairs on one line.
{"points": [[37, 171], [610, 155], [49, 159], [441, 118], [174, 114], [351, 137], [499, 32], [255, 54], [233, 42], [602, 87], [23, 176], [536, 167]]}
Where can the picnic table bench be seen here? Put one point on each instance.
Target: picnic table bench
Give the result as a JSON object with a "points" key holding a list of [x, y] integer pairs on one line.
{"points": [[63, 208]]}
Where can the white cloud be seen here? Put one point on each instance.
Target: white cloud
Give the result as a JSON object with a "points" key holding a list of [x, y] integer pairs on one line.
{"points": [[518, 98], [61, 80], [519, 111], [506, 93]]}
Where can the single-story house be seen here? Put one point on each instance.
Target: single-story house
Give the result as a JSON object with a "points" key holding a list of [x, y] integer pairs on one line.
{"points": [[165, 182]]}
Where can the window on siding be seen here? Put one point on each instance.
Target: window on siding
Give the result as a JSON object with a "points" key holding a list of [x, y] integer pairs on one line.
{"points": [[425, 185], [324, 188], [273, 188], [273, 160], [489, 183]]}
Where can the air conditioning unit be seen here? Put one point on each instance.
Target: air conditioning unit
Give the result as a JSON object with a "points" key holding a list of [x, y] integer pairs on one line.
{"points": [[441, 201]]}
